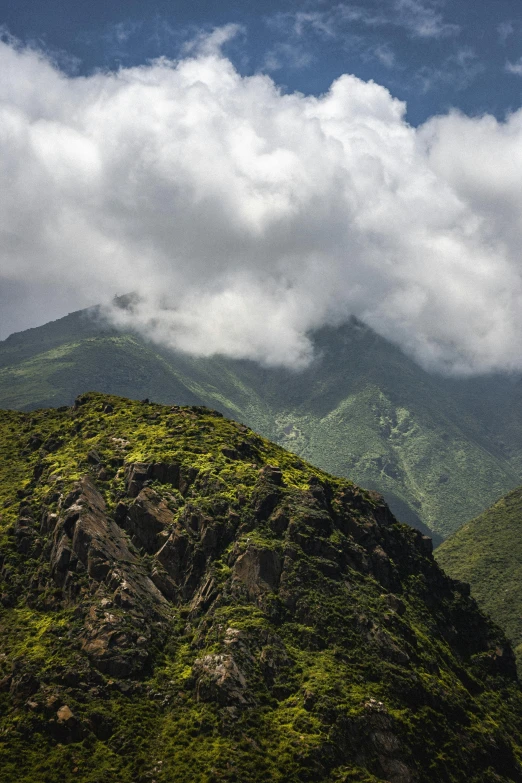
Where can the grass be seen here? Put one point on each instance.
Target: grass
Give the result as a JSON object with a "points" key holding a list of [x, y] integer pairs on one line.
{"points": [[335, 657], [487, 553]]}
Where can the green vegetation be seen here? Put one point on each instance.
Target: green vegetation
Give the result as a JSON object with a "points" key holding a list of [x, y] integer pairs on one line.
{"points": [[439, 450], [487, 553], [183, 600]]}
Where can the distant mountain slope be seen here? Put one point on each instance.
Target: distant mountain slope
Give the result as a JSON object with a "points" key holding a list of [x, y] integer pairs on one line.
{"points": [[183, 601], [361, 409], [487, 553]]}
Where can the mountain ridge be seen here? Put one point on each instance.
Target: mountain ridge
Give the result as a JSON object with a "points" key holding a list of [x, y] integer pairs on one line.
{"points": [[361, 409]]}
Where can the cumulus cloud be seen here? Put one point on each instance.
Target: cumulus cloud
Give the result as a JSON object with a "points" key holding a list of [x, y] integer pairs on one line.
{"points": [[245, 218]]}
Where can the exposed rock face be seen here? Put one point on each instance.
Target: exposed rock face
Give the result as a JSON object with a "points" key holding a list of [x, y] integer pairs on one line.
{"points": [[226, 608], [138, 473], [258, 570], [84, 534], [219, 678], [86, 539], [148, 518]]}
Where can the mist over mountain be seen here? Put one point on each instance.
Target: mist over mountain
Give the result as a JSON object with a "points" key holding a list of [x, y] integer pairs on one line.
{"points": [[246, 217], [441, 450]]}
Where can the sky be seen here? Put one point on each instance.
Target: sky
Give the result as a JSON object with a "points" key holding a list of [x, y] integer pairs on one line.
{"points": [[255, 171]]}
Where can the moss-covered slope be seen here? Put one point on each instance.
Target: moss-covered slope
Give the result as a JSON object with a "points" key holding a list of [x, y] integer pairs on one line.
{"points": [[362, 409], [487, 553], [184, 601]]}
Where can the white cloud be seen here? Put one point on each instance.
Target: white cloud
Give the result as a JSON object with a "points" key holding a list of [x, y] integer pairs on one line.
{"points": [[515, 68], [459, 70], [420, 18], [246, 218], [211, 43], [288, 55], [504, 30], [385, 55]]}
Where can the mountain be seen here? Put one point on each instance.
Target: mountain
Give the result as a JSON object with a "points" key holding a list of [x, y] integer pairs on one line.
{"points": [[487, 553], [438, 449], [183, 600]]}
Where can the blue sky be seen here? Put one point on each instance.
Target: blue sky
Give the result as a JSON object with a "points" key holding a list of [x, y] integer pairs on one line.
{"points": [[434, 55]]}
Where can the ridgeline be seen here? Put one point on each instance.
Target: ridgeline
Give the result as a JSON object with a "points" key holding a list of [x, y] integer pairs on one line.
{"points": [[440, 450]]}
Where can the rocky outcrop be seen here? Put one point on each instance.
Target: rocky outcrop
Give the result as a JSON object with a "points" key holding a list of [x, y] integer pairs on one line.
{"points": [[86, 539], [222, 607], [139, 473], [257, 571], [219, 678], [88, 543], [148, 520]]}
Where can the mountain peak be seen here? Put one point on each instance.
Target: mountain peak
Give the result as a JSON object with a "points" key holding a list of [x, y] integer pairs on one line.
{"points": [[179, 593]]}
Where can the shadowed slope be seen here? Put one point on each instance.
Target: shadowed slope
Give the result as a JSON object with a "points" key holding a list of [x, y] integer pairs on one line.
{"points": [[487, 553]]}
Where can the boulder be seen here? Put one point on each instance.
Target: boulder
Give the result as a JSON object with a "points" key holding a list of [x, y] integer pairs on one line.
{"points": [[219, 678]]}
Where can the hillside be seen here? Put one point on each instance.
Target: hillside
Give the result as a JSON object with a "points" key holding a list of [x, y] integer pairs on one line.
{"points": [[362, 409], [487, 553], [184, 600]]}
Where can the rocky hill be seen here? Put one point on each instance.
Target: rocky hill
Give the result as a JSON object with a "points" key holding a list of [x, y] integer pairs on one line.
{"points": [[487, 553], [438, 449], [183, 600]]}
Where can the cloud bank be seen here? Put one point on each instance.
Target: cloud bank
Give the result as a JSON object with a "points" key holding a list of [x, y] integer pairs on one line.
{"points": [[246, 218]]}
